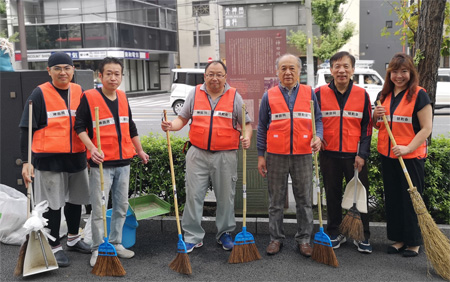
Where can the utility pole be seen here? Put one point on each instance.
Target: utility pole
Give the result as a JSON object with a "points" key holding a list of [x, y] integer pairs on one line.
{"points": [[309, 48], [217, 32], [22, 35], [197, 39]]}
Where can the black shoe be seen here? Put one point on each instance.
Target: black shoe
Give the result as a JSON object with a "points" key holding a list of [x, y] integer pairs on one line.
{"points": [[410, 253], [393, 250], [62, 259], [81, 247]]}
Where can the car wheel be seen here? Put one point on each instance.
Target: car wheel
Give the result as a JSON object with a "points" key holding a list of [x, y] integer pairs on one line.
{"points": [[177, 106]]}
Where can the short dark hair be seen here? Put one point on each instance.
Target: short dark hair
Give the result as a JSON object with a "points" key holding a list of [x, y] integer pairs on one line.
{"points": [[340, 55], [109, 60], [215, 62]]}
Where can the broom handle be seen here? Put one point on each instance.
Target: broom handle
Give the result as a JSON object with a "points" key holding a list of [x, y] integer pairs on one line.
{"points": [[100, 166], [356, 177], [30, 135], [172, 173], [316, 167], [402, 163], [244, 173]]}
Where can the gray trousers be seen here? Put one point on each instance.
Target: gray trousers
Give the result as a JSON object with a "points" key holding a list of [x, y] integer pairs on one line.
{"points": [[116, 181], [299, 167], [221, 168]]}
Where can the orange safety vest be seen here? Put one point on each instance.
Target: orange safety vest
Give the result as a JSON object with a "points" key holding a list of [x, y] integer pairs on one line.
{"points": [[109, 137], [401, 127], [213, 130], [58, 135], [289, 133], [342, 129]]}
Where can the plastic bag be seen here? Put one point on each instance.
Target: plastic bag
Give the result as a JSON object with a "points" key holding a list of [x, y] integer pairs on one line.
{"points": [[13, 207]]}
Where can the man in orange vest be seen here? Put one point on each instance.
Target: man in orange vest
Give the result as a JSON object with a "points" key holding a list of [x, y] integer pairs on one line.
{"points": [[285, 133], [215, 109], [58, 163], [347, 120], [119, 142]]}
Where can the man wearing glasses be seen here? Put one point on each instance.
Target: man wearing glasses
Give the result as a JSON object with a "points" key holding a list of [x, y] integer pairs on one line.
{"points": [[58, 163], [215, 109]]}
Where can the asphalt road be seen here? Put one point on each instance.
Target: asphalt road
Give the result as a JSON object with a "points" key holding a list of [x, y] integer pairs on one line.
{"points": [[147, 114], [155, 249]]}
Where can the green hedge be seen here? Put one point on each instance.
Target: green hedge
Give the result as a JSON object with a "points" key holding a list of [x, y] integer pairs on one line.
{"points": [[155, 176]]}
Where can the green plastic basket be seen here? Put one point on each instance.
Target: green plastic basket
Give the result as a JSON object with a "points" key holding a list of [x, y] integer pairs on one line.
{"points": [[148, 206]]}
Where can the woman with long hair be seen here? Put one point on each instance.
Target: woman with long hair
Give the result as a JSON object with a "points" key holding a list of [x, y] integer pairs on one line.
{"points": [[407, 108]]}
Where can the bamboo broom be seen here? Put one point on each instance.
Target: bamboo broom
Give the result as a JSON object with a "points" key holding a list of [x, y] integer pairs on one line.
{"points": [[244, 249], [352, 225], [437, 245], [322, 251], [180, 263], [107, 264]]}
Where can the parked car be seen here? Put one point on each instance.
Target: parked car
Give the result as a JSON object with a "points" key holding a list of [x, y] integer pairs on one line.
{"points": [[443, 89], [184, 80], [364, 77]]}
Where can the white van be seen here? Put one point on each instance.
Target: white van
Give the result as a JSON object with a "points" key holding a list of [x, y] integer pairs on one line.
{"points": [[184, 80], [363, 76], [443, 89]]}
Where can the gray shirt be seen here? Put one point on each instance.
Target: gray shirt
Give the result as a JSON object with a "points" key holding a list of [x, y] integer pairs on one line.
{"points": [[188, 108]]}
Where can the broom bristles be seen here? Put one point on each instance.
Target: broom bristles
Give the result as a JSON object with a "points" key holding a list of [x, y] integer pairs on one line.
{"points": [[181, 264], [18, 271], [436, 244], [352, 226], [325, 255], [108, 266], [244, 253]]}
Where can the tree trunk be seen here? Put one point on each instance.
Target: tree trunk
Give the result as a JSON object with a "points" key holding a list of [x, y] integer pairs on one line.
{"points": [[429, 41]]}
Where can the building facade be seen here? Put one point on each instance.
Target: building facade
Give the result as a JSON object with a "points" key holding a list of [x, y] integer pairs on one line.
{"points": [[203, 16], [141, 33]]}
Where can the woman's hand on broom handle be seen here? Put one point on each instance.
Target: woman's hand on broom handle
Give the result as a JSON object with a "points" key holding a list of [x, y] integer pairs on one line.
{"points": [[26, 175]]}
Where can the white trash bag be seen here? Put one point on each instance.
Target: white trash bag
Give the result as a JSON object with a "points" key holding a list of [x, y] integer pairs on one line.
{"points": [[13, 209]]}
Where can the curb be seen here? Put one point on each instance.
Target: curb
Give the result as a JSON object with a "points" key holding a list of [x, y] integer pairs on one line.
{"points": [[258, 225]]}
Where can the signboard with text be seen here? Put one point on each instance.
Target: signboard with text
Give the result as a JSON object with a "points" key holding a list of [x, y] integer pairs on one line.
{"points": [[250, 57]]}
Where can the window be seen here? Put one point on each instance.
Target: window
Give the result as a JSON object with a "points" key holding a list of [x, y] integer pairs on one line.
{"points": [[260, 15], [200, 8], [388, 24], [204, 38], [285, 14]]}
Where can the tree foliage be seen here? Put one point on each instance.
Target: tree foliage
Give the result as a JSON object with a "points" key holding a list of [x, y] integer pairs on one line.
{"points": [[408, 21], [327, 15], [3, 32]]}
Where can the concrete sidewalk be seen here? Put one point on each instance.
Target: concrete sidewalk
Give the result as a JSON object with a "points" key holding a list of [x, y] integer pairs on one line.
{"points": [[155, 248]]}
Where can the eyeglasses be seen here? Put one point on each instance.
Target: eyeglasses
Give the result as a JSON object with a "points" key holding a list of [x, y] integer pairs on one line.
{"points": [[212, 75], [60, 69]]}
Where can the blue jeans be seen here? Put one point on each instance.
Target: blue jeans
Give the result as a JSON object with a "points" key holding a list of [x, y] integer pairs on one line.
{"points": [[116, 180]]}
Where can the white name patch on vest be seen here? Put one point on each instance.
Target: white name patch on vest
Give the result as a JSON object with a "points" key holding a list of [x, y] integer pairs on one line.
{"points": [[103, 122], [223, 114], [73, 113], [304, 115], [281, 116], [124, 119], [201, 113], [402, 119], [56, 114], [353, 114], [331, 113]]}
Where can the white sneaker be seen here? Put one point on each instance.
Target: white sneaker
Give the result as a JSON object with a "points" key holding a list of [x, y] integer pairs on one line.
{"points": [[122, 252], [93, 258]]}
